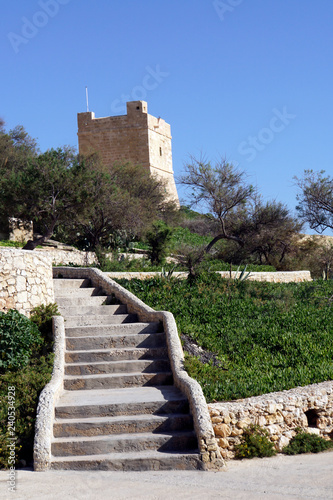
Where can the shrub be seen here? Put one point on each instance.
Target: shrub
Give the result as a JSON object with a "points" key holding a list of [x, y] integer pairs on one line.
{"points": [[255, 442], [23, 347], [158, 239], [28, 383], [42, 317], [306, 443], [19, 336]]}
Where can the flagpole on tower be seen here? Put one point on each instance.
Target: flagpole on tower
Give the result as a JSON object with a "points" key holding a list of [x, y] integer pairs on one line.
{"points": [[87, 99]]}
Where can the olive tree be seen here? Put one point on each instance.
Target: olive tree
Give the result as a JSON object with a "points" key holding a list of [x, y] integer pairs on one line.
{"points": [[315, 202], [50, 189], [222, 191]]}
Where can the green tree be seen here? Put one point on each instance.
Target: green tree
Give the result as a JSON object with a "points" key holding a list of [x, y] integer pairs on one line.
{"points": [[16, 146], [315, 202], [126, 198], [158, 238], [238, 216], [269, 232], [50, 189], [222, 191]]}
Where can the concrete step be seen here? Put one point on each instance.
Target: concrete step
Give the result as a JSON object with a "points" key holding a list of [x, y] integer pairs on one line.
{"points": [[111, 381], [90, 310], [115, 341], [168, 441], [131, 461], [122, 424], [76, 293], [119, 409], [117, 329], [128, 366], [61, 284], [78, 301], [115, 402], [96, 320], [131, 353]]}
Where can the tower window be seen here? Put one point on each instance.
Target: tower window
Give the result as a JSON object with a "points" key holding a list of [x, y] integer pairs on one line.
{"points": [[160, 151]]}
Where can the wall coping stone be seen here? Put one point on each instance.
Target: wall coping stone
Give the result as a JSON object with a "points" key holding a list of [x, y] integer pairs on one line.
{"points": [[48, 399]]}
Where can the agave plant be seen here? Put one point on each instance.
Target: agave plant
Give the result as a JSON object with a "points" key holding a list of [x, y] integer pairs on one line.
{"points": [[242, 276]]}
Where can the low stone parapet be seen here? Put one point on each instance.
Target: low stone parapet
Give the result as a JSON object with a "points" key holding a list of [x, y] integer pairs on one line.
{"points": [[309, 408], [272, 277]]}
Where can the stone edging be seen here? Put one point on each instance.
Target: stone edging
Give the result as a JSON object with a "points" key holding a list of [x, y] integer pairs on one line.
{"points": [[47, 400], [209, 449]]}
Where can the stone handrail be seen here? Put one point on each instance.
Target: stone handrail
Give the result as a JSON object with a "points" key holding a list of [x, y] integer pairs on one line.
{"points": [[209, 450], [47, 400]]}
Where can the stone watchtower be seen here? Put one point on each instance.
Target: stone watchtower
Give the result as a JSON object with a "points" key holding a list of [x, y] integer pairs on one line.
{"points": [[136, 137]]}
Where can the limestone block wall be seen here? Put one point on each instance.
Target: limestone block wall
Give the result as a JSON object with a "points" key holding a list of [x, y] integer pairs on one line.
{"points": [[66, 257], [25, 280], [309, 407]]}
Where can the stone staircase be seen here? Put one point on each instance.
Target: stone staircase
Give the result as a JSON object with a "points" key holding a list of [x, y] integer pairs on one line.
{"points": [[119, 409]]}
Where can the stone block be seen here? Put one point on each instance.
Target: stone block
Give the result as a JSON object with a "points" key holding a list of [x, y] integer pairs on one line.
{"points": [[222, 430]]}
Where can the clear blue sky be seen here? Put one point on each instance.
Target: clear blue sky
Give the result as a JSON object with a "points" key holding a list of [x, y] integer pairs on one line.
{"points": [[249, 80]]}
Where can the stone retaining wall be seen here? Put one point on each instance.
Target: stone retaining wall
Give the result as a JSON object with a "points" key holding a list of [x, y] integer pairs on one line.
{"points": [[66, 257], [309, 407], [25, 280]]}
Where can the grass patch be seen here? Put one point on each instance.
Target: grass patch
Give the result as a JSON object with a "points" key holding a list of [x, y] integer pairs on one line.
{"points": [[9, 243], [267, 336]]}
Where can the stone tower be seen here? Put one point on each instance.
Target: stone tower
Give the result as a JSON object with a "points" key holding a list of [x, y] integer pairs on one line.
{"points": [[136, 137]]}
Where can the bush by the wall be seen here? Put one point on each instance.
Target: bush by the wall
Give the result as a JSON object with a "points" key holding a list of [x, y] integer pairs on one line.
{"points": [[304, 442], [254, 442], [27, 363], [19, 336]]}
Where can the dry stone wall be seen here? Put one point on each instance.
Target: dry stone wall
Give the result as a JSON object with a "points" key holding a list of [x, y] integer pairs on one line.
{"points": [[25, 280], [309, 407]]}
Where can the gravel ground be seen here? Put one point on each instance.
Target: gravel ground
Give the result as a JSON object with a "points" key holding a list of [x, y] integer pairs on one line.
{"points": [[281, 477]]}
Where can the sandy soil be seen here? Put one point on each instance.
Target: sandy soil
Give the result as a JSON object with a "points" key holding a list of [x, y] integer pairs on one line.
{"points": [[281, 477]]}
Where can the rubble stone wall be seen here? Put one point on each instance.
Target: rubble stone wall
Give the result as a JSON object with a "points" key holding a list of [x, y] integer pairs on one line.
{"points": [[309, 407]]}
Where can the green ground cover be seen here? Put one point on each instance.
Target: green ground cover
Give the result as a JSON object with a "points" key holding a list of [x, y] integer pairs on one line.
{"points": [[267, 336]]}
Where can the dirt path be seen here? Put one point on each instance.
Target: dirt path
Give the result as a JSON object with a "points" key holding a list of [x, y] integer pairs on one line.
{"points": [[281, 477]]}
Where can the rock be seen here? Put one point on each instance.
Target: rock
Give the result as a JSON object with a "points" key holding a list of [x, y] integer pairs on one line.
{"points": [[223, 443], [222, 430], [283, 441], [244, 423]]}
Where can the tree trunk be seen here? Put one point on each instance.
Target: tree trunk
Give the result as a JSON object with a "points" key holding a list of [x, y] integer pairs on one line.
{"points": [[32, 244]]}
